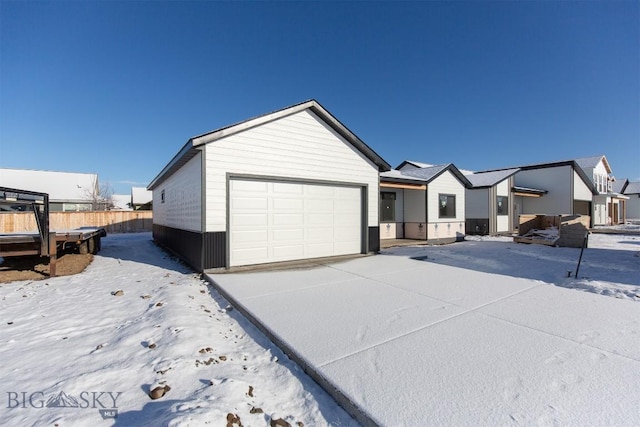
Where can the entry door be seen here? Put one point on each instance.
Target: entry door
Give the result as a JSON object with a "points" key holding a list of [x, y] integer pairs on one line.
{"points": [[271, 221]]}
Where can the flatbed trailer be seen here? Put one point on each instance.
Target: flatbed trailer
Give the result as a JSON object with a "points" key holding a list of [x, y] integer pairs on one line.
{"points": [[85, 240], [45, 242]]}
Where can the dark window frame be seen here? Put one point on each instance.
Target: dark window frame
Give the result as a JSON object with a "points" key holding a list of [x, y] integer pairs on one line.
{"points": [[448, 209], [502, 208]]}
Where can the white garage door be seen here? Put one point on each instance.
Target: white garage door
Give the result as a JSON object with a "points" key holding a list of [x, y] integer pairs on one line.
{"points": [[282, 221]]}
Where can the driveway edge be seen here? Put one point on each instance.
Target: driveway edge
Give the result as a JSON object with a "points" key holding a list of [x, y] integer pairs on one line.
{"points": [[343, 400]]}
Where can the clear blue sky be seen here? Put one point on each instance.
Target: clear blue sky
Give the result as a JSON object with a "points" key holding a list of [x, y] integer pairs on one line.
{"points": [[116, 88]]}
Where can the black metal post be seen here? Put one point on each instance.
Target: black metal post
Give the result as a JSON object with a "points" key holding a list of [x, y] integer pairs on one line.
{"points": [[584, 245]]}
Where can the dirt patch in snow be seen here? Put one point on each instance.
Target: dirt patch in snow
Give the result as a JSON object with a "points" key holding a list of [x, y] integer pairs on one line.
{"points": [[36, 268]]}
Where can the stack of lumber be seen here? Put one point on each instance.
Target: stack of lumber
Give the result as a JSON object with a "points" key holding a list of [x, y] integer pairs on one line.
{"points": [[554, 230]]}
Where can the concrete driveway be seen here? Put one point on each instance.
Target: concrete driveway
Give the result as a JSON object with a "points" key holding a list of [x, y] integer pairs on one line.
{"points": [[404, 342]]}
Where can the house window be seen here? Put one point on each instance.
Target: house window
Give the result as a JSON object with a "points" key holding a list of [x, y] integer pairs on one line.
{"points": [[502, 205], [162, 197], [387, 206], [446, 205]]}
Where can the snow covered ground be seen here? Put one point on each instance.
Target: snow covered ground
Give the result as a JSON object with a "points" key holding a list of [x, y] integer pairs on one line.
{"points": [[481, 342], [72, 342], [610, 265], [89, 351]]}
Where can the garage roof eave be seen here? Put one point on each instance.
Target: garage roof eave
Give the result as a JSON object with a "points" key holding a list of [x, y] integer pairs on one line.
{"points": [[186, 153], [529, 191], [312, 105], [407, 180]]}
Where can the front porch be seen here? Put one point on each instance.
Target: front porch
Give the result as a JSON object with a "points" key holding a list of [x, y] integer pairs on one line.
{"points": [[394, 243]]}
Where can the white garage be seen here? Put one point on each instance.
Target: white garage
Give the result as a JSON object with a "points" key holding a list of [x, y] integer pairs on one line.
{"points": [[274, 221], [289, 185]]}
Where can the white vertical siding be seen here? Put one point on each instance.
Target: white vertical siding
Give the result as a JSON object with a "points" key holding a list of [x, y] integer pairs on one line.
{"points": [[580, 190], [299, 146], [557, 181], [477, 203], [182, 198]]}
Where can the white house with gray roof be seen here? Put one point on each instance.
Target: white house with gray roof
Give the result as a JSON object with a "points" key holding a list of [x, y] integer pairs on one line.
{"points": [[489, 202], [423, 202], [608, 206], [289, 185], [630, 189], [68, 191], [555, 188]]}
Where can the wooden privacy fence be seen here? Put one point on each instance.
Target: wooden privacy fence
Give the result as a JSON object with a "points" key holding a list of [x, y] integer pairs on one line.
{"points": [[112, 221]]}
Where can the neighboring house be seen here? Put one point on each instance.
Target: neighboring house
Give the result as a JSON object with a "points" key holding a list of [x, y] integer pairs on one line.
{"points": [[489, 204], [120, 202], [631, 189], [423, 202], [67, 191], [608, 205], [289, 185], [556, 188], [141, 198]]}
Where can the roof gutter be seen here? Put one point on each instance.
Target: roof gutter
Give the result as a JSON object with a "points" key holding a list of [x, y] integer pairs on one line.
{"points": [[184, 155]]}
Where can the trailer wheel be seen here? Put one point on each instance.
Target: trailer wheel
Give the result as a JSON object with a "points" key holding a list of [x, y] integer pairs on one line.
{"points": [[83, 248], [91, 244], [94, 245]]}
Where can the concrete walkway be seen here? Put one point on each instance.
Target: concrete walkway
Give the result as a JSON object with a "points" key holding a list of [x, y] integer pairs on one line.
{"points": [[403, 342]]}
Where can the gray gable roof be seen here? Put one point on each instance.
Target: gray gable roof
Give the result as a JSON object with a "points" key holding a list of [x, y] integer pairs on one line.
{"points": [[424, 175], [488, 179], [592, 162], [589, 162], [190, 148], [619, 185], [574, 165], [632, 188], [412, 164]]}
